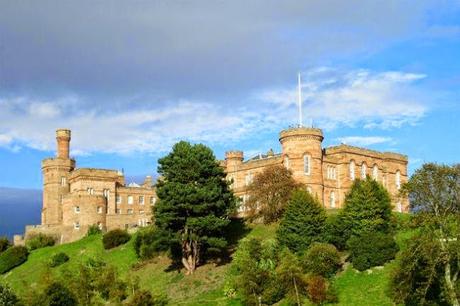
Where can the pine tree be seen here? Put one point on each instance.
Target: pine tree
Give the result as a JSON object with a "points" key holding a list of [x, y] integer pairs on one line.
{"points": [[195, 203], [302, 223]]}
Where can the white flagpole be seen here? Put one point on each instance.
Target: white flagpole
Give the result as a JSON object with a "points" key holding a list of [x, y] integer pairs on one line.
{"points": [[300, 100]]}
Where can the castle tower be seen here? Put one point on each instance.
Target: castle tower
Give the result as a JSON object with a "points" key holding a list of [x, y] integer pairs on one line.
{"points": [[55, 179], [233, 160], [302, 154]]}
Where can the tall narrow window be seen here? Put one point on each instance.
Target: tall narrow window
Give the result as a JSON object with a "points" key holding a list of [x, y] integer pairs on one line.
{"points": [[130, 199], [352, 170], [153, 200], [375, 172], [363, 170], [118, 199], [141, 200], [63, 181], [398, 179], [286, 162], [307, 164], [248, 179], [106, 194], [332, 200]]}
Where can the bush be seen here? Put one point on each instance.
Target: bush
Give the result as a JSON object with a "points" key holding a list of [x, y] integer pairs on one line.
{"points": [[145, 298], [58, 259], [12, 257], [4, 244], [302, 223], [146, 243], [321, 259], [319, 291], [115, 238], [334, 231], [40, 241], [93, 230], [370, 249], [58, 295], [8, 297]]}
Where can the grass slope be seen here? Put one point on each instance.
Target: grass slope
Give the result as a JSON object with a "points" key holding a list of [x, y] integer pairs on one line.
{"points": [[205, 287]]}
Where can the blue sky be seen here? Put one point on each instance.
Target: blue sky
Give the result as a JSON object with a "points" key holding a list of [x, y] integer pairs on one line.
{"points": [[132, 78]]}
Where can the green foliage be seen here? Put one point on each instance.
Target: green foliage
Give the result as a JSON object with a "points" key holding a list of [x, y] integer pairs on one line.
{"points": [[58, 259], [302, 223], [115, 238], [367, 208], [93, 230], [4, 244], [147, 243], [58, 295], [8, 297], [290, 276], [145, 298], [334, 231], [370, 249], [12, 257], [269, 193], [40, 241], [195, 204], [321, 259]]}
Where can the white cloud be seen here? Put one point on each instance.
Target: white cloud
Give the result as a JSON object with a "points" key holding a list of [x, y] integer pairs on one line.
{"points": [[364, 140]]}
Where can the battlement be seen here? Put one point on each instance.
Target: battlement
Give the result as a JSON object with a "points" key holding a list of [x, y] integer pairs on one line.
{"points": [[301, 132], [94, 173], [343, 148], [58, 162], [234, 155]]}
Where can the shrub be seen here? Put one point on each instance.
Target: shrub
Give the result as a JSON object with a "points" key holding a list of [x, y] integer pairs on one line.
{"points": [[145, 298], [12, 257], [321, 259], [115, 238], [58, 295], [8, 297], [302, 223], [370, 249], [58, 259], [4, 244], [319, 290], [146, 243], [40, 241], [334, 231], [93, 230]]}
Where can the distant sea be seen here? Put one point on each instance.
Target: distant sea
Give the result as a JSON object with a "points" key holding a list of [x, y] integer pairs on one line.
{"points": [[18, 208]]}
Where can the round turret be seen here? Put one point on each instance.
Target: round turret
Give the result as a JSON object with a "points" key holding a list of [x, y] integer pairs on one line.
{"points": [[233, 159]]}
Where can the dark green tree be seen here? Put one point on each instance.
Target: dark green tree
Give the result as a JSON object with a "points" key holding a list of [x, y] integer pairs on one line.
{"points": [[8, 297], [195, 203], [290, 276], [58, 295], [302, 223], [4, 244], [367, 208]]}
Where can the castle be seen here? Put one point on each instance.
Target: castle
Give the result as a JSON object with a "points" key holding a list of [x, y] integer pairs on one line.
{"points": [[76, 198]]}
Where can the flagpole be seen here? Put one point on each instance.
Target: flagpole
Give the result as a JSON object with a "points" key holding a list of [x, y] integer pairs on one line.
{"points": [[300, 100]]}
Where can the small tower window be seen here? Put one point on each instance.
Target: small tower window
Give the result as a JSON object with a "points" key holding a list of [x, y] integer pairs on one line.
{"points": [[106, 193], [307, 164], [398, 179], [76, 225], [363, 170], [352, 170], [90, 190], [99, 225], [77, 209], [99, 210], [375, 172], [63, 181]]}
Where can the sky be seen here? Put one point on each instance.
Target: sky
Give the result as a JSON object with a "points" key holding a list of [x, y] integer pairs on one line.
{"points": [[131, 78]]}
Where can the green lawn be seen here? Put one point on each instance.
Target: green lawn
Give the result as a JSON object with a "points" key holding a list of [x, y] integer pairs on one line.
{"points": [[205, 287]]}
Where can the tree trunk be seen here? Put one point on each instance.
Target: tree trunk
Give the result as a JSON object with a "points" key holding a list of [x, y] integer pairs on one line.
{"points": [[190, 253], [450, 285]]}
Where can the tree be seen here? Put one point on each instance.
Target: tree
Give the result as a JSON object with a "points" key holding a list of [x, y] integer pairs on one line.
{"points": [[289, 273], [269, 193], [367, 209], [321, 259], [4, 244], [434, 193], [58, 295], [302, 223], [8, 297], [195, 203]]}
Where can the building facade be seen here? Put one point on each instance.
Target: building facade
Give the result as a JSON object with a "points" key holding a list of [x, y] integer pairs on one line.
{"points": [[327, 173], [76, 198]]}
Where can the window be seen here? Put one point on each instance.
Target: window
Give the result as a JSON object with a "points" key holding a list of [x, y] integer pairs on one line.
{"points": [[375, 172], [130, 199], [141, 212], [332, 200], [90, 190], [352, 170], [76, 225], [306, 164], [130, 211], [363, 170], [309, 189], [241, 206], [77, 209], [286, 162], [331, 173], [60, 199], [398, 179], [248, 178], [141, 200], [63, 181], [118, 199], [99, 210], [118, 211], [153, 200], [99, 225], [106, 193]]}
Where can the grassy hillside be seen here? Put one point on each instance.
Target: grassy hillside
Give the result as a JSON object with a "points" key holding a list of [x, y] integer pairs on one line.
{"points": [[205, 287]]}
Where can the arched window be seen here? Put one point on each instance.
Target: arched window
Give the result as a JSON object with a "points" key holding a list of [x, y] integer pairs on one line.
{"points": [[375, 172], [398, 179], [332, 200], [306, 164], [363, 170], [286, 162], [352, 170]]}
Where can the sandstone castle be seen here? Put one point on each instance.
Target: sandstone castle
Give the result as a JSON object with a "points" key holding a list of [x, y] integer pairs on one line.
{"points": [[76, 198]]}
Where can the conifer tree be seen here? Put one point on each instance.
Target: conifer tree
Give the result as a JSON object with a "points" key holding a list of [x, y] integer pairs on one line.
{"points": [[195, 203], [302, 223]]}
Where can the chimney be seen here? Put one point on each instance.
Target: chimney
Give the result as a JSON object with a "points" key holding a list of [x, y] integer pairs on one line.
{"points": [[63, 143]]}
